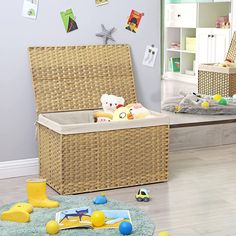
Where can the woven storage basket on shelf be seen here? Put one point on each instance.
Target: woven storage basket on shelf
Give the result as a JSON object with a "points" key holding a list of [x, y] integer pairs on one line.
{"points": [[73, 78], [218, 80]]}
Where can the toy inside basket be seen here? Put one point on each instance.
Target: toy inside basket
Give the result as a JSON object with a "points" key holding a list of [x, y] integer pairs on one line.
{"points": [[213, 79], [73, 78]]}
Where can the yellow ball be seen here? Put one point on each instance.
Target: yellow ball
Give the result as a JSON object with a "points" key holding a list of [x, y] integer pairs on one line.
{"points": [[205, 105], [177, 108], [164, 233], [217, 97], [98, 218], [52, 227]]}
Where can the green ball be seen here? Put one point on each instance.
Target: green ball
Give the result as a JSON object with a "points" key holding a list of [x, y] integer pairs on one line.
{"points": [[223, 102]]}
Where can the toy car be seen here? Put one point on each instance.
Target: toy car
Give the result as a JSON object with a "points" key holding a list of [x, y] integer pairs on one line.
{"points": [[142, 195]]}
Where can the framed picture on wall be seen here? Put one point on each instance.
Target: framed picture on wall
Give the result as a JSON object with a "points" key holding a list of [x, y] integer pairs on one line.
{"points": [[30, 8], [101, 2], [68, 19], [133, 21]]}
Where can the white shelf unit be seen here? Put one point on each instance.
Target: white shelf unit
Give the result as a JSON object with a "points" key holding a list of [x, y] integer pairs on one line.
{"points": [[178, 35], [212, 45], [195, 20]]}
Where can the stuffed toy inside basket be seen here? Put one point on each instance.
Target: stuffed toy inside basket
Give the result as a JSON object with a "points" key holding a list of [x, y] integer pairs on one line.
{"points": [[77, 155]]}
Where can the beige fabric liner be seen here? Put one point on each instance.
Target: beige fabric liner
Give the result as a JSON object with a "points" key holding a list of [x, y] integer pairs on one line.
{"points": [[214, 68], [82, 122]]}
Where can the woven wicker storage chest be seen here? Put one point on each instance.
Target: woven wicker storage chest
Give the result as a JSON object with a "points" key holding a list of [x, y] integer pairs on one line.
{"points": [[75, 154], [216, 80], [213, 79]]}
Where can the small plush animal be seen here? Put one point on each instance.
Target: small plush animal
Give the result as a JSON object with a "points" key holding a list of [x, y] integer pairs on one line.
{"points": [[191, 99], [122, 114], [110, 102], [102, 117], [139, 111], [227, 63]]}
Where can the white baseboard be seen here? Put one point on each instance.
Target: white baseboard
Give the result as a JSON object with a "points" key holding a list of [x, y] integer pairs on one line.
{"points": [[11, 169]]}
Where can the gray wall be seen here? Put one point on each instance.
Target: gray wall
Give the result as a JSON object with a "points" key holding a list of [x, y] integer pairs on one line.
{"points": [[17, 131]]}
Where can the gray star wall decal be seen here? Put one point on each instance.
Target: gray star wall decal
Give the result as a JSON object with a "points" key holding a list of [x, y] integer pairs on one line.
{"points": [[106, 34]]}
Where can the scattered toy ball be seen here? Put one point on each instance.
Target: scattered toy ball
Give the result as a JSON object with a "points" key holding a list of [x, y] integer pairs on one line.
{"points": [[177, 108], [164, 233], [125, 228], [142, 195], [52, 227], [223, 102], [98, 218], [217, 97], [205, 105], [101, 199]]}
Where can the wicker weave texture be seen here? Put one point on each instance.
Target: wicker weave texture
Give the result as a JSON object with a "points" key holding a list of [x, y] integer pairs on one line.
{"points": [[104, 160], [50, 156], [74, 77], [211, 83], [231, 55]]}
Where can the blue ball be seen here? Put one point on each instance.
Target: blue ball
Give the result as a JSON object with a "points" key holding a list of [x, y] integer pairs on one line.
{"points": [[125, 228]]}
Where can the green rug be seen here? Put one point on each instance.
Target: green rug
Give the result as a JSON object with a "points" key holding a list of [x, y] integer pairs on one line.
{"points": [[142, 225]]}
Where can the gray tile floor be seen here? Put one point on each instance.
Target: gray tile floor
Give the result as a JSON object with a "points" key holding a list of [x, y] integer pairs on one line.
{"points": [[198, 200]]}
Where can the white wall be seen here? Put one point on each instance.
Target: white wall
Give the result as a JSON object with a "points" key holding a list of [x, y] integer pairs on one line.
{"points": [[17, 132]]}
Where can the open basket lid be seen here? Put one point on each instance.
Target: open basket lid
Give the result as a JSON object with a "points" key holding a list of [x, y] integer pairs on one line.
{"points": [[74, 77], [231, 55]]}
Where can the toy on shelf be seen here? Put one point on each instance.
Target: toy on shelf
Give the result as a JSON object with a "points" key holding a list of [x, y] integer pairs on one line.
{"points": [[125, 228], [52, 227], [98, 218], [37, 196], [142, 195], [20, 212], [164, 233], [101, 199]]}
